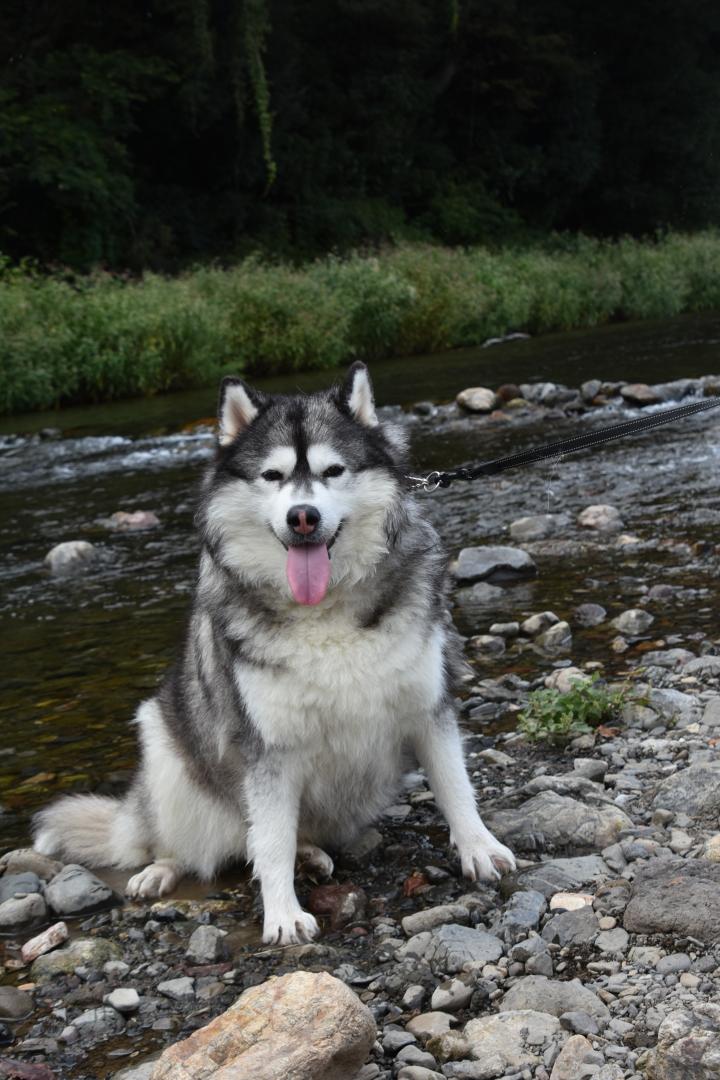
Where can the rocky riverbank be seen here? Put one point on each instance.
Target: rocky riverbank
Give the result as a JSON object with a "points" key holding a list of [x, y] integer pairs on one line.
{"points": [[599, 957]]}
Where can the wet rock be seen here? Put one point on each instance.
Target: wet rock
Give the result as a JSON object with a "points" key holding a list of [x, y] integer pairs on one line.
{"points": [[633, 622], [694, 791], [480, 595], [342, 904], [578, 927], [560, 875], [538, 527], [553, 821], [564, 679], [477, 399], [134, 520], [487, 644], [570, 1062], [21, 912], [43, 943], [395, 1039], [123, 1000], [206, 945], [514, 1040], [505, 630], [521, 913], [14, 1004], [70, 556], [688, 1046], [703, 666], [81, 952], [488, 563], [640, 394], [99, 1023], [75, 890], [182, 989], [602, 517], [428, 919], [589, 615], [558, 636], [27, 860], [675, 896], [536, 624], [450, 948], [13, 886], [308, 1026], [556, 998]]}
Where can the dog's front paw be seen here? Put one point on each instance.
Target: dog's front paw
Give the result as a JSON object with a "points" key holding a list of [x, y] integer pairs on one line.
{"points": [[483, 858], [290, 928]]}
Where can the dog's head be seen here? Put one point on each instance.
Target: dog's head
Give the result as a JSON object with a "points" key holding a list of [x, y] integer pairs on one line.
{"points": [[307, 490]]}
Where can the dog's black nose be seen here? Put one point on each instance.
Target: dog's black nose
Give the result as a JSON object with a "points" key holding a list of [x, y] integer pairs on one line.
{"points": [[303, 519]]}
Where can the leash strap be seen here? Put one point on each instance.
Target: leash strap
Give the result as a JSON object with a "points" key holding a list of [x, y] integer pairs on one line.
{"points": [[437, 480]]}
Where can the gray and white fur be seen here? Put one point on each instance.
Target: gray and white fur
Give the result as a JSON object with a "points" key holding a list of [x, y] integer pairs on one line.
{"points": [[286, 726]]}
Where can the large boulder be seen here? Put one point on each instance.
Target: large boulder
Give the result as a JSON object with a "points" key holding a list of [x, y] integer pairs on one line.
{"points": [[554, 997], [305, 1025], [688, 1046], [452, 948], [517, 1039], [676, 896], [550, 821], [490, 563], [694, 791]]}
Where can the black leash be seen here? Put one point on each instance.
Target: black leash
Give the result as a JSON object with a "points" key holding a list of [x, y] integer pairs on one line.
{"points": [[436, 480]]}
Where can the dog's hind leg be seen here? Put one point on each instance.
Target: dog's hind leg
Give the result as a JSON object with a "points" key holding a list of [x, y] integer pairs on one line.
{"points": [[312, 858], [157, 879]]}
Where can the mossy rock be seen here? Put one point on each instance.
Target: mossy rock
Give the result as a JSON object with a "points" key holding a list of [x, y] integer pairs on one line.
{"points": [[82, 952]]}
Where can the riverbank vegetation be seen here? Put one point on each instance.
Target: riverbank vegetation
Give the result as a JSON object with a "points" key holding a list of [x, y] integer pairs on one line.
{"points": [[69, 338]]}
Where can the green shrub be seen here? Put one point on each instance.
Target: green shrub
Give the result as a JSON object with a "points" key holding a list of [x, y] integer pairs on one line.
{"points": [[557, 717], [70, 339]]}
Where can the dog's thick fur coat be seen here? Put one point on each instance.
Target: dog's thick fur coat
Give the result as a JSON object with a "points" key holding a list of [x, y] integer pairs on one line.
{"points": [[295, 709]]}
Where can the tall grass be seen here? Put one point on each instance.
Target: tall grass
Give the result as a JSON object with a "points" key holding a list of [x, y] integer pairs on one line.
{"points": [[103, 337]]}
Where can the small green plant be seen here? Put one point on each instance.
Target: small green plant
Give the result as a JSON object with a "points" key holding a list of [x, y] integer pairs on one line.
{"points": [[557, 717]]}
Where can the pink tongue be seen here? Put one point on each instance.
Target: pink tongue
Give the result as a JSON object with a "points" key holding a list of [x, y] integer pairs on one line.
{"points": [[308, 571]]}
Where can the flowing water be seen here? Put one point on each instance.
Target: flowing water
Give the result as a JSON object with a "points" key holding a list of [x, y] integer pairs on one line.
{"points": [[80, 652]]}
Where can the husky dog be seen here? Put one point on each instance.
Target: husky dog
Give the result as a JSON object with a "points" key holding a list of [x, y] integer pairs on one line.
{"points": [[317, 667]]}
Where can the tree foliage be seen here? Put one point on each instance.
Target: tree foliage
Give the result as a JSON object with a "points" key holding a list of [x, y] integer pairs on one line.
{"points": [[157, 134]]}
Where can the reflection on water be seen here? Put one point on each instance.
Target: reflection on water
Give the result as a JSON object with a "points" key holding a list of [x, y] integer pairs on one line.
{"points": [[80, 653]]}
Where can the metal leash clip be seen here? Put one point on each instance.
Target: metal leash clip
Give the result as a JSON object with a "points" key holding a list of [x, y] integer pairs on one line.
{"points": [[428, 483]]}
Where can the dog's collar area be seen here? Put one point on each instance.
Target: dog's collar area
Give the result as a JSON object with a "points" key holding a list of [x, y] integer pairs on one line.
{"points": [[435, 480]]}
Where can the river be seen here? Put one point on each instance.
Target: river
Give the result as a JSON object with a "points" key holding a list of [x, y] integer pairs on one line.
{"points": [[80, 652]]}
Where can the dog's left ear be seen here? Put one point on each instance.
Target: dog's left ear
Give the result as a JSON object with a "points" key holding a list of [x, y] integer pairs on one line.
{"points": [[358, 395], [237, 408]]}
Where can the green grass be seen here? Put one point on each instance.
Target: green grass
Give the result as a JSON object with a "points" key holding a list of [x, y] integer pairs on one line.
{"points": [[556, 717], [67, 339]]}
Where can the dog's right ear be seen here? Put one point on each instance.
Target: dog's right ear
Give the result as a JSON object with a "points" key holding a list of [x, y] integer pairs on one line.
{"points": [[237, 408]]}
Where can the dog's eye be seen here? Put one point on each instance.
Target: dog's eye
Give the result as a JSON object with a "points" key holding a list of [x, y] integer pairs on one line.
{"points": [[272, 474], [334, 470]]}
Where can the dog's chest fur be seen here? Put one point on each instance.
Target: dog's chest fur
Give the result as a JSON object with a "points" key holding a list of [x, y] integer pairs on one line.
{"points": [[328, 684]]}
